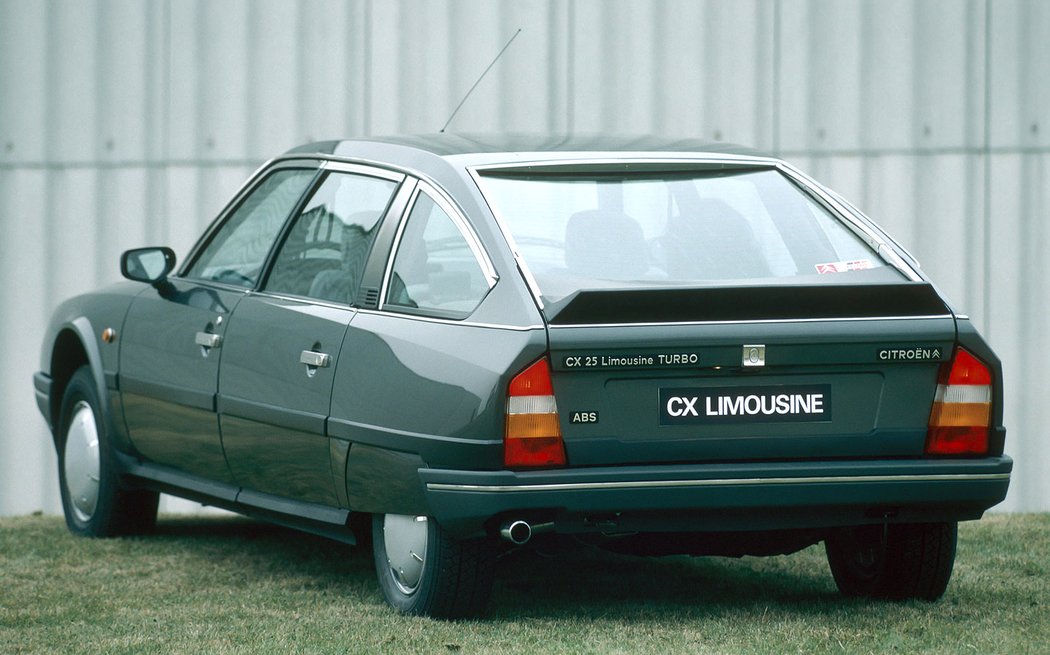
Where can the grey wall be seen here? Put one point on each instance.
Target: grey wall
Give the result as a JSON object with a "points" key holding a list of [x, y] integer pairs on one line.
{"points": [[125, 123]]}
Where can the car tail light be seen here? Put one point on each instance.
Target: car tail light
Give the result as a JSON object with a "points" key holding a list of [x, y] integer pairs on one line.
{"points": [[962, 408], [532, 436]]}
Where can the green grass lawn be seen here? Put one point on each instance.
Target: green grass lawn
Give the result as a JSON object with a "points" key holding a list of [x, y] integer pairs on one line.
{"points": [[228, 585]]}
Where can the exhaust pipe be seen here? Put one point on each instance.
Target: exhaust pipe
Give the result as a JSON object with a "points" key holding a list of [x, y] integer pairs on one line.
{"points": [[516, 532], [519, 532]]}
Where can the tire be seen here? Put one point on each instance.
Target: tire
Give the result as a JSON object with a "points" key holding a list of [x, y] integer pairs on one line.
{"points": [[893, 562], [423, 571], [93, 501]]}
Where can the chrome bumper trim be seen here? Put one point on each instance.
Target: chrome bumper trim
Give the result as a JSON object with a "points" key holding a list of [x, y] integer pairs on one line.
{"points": [[725, 482]]}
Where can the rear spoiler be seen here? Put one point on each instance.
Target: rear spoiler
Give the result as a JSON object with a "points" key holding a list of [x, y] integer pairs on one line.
{"points": [[765, 303]]}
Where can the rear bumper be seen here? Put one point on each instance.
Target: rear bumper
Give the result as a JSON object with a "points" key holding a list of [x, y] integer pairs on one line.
{"points": [[719, 497]]}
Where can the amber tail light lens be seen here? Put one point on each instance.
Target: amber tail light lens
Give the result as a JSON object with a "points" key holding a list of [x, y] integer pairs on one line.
{"points": [[962, 408], [532, 434]]}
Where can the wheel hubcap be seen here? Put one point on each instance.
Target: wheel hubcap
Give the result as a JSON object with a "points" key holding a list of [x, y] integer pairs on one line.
{"points": [[405, 540], [81, 461]]}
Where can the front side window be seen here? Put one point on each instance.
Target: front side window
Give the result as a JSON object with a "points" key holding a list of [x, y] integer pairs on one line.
{"points": [[237, 252], [684, 228], [435, 270], [325, 252]]}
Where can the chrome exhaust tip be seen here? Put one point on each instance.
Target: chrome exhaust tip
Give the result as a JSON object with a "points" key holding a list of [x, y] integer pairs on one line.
{"points": [[516, 532]]}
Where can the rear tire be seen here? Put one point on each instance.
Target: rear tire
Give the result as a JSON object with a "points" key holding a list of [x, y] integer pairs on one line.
{"points": [[93, 501], [424, 571], [894, 562]]}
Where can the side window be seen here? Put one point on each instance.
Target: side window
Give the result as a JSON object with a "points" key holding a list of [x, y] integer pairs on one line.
{"points": [[237, 252], [435, 268], [325, 252]]}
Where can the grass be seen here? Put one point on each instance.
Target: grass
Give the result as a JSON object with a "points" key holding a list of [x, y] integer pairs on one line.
{"points": [[228, 585]]}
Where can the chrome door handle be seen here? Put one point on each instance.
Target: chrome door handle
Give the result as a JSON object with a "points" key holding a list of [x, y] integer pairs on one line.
{"points": [[208, 340], [314, 359]]}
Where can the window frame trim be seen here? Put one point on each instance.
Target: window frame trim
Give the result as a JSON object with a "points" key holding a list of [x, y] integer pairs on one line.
{"points": [[235, 203], [466, 231], [326, 169]]}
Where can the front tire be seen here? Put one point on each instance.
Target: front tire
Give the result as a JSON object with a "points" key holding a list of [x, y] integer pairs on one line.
{"points": [[424, 571], [894, 562], [93, 501]]}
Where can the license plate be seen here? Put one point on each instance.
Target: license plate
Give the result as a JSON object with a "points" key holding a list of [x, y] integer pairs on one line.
{"points": [[809, 403]]}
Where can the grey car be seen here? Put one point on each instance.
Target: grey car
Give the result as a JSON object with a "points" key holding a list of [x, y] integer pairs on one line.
{"points": [[456, 345]]}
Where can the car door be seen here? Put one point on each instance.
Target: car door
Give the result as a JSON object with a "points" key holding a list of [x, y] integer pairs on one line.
{"points": [[282, 343], [173, 337]]}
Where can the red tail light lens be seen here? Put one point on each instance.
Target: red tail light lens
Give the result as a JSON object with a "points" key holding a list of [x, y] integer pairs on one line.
{"points": [[962, 408], [532, 434]]}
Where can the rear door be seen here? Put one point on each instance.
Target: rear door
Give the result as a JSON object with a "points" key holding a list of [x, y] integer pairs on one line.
{"points": [[283, 343]]}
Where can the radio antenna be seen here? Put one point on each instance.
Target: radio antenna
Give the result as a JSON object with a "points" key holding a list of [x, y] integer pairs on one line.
{"points": [[483, 74]]}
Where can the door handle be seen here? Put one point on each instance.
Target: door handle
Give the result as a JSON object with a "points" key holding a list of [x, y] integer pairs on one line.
{"points": [[315, 359], [208, 340]]}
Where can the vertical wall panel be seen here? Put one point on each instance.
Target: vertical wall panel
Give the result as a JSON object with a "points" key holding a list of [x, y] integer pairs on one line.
{"points": [[272, 76], [183, 66], [531, 75], [684, 72], [1019, 238], [72, 85], [73, 234], [23, 81], [127, 122], [27, 469], [122, 81], [940, 216], [820, 75], [888, 88], [223, 82], [328, 86], [469, 52], [1020, 66], [736, 107], [942, 82], [383, 68]]}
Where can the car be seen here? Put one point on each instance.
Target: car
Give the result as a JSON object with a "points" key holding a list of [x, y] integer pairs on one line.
{"points": [[452, 346]]}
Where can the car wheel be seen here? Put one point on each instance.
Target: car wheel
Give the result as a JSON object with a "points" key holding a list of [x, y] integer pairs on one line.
{"points": [[896, 562], [93, 501], [424, 571]]}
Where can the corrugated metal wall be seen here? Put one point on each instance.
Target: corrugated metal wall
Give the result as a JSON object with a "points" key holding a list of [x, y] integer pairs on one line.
{"points": [[125, 123]]}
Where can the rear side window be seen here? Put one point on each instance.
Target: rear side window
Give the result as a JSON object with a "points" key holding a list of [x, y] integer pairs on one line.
{"points": [[436, 271], [237, 251], [695, 228]]}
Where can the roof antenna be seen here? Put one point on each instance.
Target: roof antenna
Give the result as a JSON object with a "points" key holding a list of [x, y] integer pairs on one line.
{"points": [[500, 54]]}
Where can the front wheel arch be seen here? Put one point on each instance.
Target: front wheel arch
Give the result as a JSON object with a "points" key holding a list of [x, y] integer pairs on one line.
{"points": [[67, 355]]}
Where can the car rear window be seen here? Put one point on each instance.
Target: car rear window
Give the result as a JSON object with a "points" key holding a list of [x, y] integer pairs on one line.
{"points": [[693, 228]]}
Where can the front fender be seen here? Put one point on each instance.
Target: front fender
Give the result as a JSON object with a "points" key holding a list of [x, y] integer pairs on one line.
{"points": [[73, 339]]}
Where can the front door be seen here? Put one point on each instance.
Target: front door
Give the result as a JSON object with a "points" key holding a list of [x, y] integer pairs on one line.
{"points": [[169, 372], [174, 337]]}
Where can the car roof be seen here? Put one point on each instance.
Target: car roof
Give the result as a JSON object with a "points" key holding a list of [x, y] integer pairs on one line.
{"points": [[477, 149]]}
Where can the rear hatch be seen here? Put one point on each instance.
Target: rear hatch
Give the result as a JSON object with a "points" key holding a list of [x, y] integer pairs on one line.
{"points": [[747, 373], [719, 310]]}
